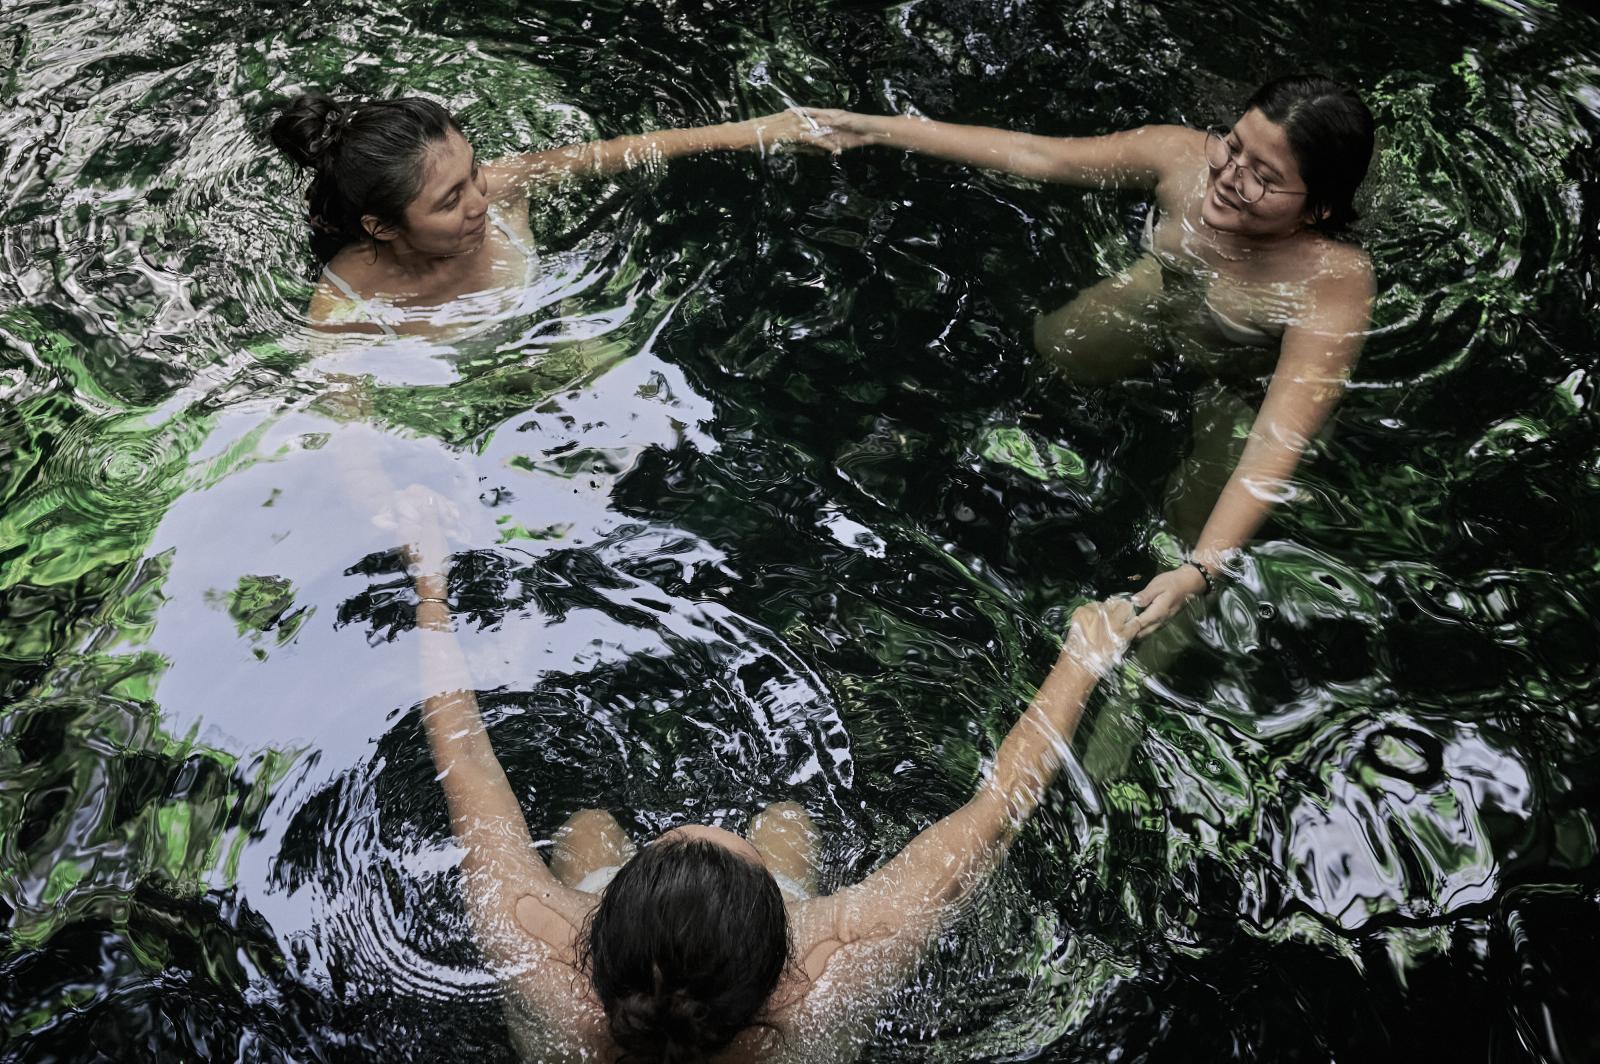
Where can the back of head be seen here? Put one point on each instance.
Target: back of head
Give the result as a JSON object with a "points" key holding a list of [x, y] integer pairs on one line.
{"points": [[1330, 132], [366, 159], [686, 946]]}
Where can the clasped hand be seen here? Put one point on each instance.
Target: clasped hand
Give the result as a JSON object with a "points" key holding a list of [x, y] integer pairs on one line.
{"points": [[1100, 633], [807, 127], [1165, 595]]}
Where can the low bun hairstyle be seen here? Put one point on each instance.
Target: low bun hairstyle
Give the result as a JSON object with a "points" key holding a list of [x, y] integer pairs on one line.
{"points": [[365, 158], [686, 946], [1330, 132]]}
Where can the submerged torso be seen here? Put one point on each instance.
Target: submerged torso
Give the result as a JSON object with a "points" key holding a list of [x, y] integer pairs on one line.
{"points": [[464, 300], [1224, 315]]}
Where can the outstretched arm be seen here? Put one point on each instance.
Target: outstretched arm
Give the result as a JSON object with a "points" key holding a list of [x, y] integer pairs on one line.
{"points": [[1313, 367], [1136, 158], [515, 173], [511, 894], [891, 917]]}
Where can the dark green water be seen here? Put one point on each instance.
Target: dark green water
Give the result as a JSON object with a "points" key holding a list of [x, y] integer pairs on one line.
{"points": [[768, 503]]}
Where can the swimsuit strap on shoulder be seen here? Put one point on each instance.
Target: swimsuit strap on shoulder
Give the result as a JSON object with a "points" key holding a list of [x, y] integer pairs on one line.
{"points": [[344, 286], [1238, 332], [341, 284], [530, 257]]}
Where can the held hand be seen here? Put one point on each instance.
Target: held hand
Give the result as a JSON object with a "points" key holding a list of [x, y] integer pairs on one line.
{"points": [[1165, 595], [800, 127], [1100, 633], [424, 519], [845, 128]]}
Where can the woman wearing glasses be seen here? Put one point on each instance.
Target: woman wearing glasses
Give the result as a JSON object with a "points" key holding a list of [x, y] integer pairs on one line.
{"points": [[1242, 262]]}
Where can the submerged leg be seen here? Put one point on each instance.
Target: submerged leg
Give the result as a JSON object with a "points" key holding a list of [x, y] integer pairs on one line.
{"points": [[785, 836], [1107, 332], [590, 839], [1111, 331], [1221, 427]]}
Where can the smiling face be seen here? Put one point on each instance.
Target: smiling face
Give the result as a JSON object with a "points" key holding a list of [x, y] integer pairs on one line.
{"points": [[449, 214], [1261, 144]]}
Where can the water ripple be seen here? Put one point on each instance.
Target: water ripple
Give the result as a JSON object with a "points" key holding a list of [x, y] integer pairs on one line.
{"points": [[765, 501]]}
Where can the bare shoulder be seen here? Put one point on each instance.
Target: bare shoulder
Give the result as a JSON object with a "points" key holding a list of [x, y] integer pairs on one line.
{"points": [[820, 928], [1344, 284], [862, 919], [844, 975], [1168, 150], [555, 915], [508, 187], [326, 301], [551, 1016], [357, 265], [330, 309], [1174, 140], [330, 312], [551, 1003], [1178, 155], [1344, 262]]}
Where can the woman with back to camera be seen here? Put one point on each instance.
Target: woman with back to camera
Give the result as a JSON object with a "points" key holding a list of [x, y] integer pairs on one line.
{"points": [[416, 234], [703, 945], [1241, 263]]}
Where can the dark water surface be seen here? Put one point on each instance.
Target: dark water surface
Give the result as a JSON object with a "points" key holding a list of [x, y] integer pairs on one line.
{"points": [[768, 502]]}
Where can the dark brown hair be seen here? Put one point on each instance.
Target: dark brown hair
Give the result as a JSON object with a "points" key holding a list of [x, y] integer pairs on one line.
{"points": [[365, 158], [1330, 132], [686, 946]]}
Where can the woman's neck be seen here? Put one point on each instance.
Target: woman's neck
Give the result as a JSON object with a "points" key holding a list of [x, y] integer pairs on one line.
{"points": [[1244, 247], [407, 261]]}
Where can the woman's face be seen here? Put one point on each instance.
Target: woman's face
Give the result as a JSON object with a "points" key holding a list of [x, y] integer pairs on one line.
{"points": [[449, 216], [1259, 143]]}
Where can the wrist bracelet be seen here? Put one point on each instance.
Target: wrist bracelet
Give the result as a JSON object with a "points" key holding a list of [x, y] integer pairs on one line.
{"points": [[432, 598], [1205, 574]]}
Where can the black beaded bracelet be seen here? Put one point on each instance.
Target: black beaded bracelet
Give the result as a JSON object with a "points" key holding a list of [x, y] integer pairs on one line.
{"points": [[1205, 574]]}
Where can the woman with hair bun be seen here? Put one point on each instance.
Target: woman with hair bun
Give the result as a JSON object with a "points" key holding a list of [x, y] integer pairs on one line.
{"points": [[1242, 262], [704, 945], [407, 220]]}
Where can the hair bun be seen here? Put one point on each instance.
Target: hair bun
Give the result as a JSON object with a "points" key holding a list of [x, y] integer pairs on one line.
{"points": [[668, 1027], [310, 129]]}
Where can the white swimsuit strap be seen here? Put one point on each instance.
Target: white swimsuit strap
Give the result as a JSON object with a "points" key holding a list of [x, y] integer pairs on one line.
{"points": [[342, 285], [530, 257]]}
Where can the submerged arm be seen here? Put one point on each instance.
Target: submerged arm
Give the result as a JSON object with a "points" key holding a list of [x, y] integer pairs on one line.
{"points": [[893, 915], [510, 891], [1313, 368]]}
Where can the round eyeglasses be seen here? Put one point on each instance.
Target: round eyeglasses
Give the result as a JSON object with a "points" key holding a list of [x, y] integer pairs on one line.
{"points": [[1247, 184]]}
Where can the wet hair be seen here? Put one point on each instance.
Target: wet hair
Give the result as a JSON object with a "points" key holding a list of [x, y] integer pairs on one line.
{"points": [[1330, 133], [685, 947], [365, 158]]}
